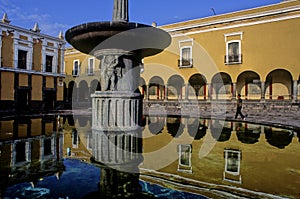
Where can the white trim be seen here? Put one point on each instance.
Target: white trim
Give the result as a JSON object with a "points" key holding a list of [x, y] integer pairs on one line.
{"points": [[226, 151], [78, 71], [54, 61], [240, 52], [9, 69], [190, 57], [89, 67], [186, 41], [237, 26], [63, 68], [234, 34]]}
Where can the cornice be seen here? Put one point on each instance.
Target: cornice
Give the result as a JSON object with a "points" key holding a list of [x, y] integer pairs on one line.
{"points": [[31, 72], [29, 32], [195, 24]]}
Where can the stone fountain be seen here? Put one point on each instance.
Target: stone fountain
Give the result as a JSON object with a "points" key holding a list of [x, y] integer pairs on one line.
{"points": [[120, 46]]}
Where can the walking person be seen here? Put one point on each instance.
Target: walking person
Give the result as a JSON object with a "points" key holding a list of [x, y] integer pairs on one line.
{"points": [[239, 106]]}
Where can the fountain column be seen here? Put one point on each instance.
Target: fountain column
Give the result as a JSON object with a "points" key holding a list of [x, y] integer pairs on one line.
{"points": [[117, 109]]}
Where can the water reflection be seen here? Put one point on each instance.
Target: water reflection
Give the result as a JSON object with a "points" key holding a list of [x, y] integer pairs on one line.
{"points": [[247, 159]]}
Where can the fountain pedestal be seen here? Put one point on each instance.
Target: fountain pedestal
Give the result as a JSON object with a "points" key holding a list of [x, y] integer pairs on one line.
{"points": [[117, 109]]}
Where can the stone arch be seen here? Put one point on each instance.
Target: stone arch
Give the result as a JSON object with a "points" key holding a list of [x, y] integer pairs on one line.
{"points": [[249, 85], [221, 87], [175, 85], [156, 88], [197, 87], [279, 85]]}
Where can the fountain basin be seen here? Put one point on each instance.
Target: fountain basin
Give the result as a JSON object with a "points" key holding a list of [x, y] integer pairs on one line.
{"points": [[139, 38]]}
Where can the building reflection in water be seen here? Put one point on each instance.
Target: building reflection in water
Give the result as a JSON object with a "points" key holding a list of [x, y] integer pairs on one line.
{"points": [[247, 157], [30, 149]]}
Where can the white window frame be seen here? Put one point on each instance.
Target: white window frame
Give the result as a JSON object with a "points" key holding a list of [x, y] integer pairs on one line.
{"points": [[228, 62], [91, 72], [181, 166], [63, 68], [78, 71], [190, 57], [28, 57], [25, 45], [45, 64], [227, 162]]}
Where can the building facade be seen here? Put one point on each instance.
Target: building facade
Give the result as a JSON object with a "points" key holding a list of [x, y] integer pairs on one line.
{"points": [[31, 70], [252, 52]]}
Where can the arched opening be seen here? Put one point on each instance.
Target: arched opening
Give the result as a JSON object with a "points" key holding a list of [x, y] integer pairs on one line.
{"points": [[83, 91], [156, 88], [249, 85], [175, 87], [198, 87], [95, 86], [279, 84], [221, 88], [71, 94]]}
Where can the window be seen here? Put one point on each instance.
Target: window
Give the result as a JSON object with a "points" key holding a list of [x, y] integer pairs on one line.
{"points": [[186, 57], [91, 66], [49, 60], [20, 152], [75, 68], [232, 165], [22, 59], [233, 52], [184, 159], [47, 147]]}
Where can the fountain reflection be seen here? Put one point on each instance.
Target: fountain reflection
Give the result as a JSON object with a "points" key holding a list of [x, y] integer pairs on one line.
{"points": [[251, 160]]}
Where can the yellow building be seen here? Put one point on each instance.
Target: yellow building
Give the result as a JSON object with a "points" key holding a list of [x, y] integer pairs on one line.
{"points": [[252, 52], [31, 70]]}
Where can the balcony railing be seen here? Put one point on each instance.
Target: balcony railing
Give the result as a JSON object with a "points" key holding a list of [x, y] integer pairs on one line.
{"points": [[233, 59], [185, 63]]}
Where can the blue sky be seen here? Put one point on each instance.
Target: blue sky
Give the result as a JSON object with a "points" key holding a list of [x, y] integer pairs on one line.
{"points": [[59, 15]]}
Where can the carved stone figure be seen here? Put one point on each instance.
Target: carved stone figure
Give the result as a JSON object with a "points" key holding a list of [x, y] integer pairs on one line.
{"points": [[110, 72]]}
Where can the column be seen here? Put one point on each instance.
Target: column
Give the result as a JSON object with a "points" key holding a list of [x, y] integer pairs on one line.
{"points": [[187, 91], [262, 87], [271, 90], [120, 11], [295, 90], [147, 92], [166, 92], [234, 91], [204, 92], [157, 91], [209, 86]]}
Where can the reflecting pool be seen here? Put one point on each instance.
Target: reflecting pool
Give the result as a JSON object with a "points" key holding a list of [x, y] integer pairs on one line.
{"points": [[182, 157]]}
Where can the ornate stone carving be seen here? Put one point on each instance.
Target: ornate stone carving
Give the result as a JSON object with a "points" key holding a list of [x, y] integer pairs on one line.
{"points": [[110, 72]]}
